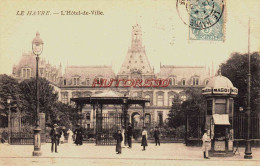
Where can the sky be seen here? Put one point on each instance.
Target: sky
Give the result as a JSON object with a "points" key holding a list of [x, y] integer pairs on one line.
{"points": [[105, 39]]}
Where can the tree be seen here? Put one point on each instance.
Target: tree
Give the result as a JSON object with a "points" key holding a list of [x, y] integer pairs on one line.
{"points": [[47, 100], [236, 69], [8, 88], [174, 116], [194, 106]]}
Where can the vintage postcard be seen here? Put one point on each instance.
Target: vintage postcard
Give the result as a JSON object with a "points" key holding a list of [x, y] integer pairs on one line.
{"points": [[129, 82]]}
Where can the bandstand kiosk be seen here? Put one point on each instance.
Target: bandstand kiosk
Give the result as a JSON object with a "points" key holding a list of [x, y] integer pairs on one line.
{"points": [[219, 93]]}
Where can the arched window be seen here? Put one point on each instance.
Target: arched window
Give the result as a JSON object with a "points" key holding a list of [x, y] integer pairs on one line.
{"points": [[171, 98], [160, 100]]}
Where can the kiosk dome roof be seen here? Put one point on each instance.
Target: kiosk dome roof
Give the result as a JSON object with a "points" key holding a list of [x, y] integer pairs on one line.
{"points": [[219, 81]]}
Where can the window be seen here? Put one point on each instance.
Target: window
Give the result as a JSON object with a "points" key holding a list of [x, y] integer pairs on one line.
{"points": [[87, 81], [195, 81], [88, 126], [171, 98], [76, 81], [99, 80], [160, 118], [147, 118], [64, 97], [206, 82], [220, 106], [183, 82], [135, 94], [64, 82], [26, 72], [209, 107], [88, 116], [160, 100], [172, 81], [148, 98]]}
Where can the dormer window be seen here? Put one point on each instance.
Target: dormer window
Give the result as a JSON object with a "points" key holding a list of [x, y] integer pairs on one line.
{"points": [[206, 82], [195, 81], [26, 72], [172, 81], [99, 80], [183, 82], [75, 80], [87, 81]]}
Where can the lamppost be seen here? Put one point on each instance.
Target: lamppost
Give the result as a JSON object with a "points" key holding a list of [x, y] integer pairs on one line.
{"points": [[248, 152], [37, 47], [9, 118]]}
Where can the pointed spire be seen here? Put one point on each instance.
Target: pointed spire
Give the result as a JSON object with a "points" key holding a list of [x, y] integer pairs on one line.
{"points": [[219, 70]]}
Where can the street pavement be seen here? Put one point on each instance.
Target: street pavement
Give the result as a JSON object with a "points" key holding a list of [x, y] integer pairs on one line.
{"points": [[89, 154]]}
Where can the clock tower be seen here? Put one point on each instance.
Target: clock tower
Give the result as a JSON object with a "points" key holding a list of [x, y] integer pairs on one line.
{"points": [[136, 63]]}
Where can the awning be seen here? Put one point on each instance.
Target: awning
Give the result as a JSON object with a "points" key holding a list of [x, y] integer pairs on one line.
{"points": [[221, 119]]}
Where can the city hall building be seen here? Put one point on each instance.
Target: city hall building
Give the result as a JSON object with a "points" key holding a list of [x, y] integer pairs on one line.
{"points": [[77, 81]]}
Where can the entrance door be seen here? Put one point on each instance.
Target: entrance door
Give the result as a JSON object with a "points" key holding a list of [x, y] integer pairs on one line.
{"points": [[107, 127]]}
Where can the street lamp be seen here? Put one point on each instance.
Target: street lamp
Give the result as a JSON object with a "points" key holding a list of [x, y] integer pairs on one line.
{"points": [[248, 152], [9, 118], [37, 47]]}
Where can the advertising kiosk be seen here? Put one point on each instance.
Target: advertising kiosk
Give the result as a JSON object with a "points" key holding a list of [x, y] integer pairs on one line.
{"points": [[219, 93]]}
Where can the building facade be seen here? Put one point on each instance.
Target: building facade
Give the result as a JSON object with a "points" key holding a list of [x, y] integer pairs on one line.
{"points": [[77, 81]]}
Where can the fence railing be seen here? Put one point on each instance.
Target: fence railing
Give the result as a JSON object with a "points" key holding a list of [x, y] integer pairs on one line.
{"points": [[20, 138]]}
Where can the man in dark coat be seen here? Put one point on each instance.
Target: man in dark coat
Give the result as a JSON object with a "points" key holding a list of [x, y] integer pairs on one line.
{"points": [[54, 137], [119, 139], [156, 136], [129, 134]]}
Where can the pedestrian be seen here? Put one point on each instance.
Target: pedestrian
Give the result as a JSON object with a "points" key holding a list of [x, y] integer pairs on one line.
{"points": [[123, 135], [129, 134], [60, 132], [70, 136], [144, 138], [79, 137], [206, 144], [119, 140], [62, 138], [54, 137], [156, 136]]}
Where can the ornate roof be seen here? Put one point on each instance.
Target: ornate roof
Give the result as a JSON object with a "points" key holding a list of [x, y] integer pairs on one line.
{"points": [[182, 72], [220, 82], [90, 72], [136, 59]]}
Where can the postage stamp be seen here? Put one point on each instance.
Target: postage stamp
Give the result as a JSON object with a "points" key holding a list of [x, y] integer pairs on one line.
{"points": [[204, 18]]}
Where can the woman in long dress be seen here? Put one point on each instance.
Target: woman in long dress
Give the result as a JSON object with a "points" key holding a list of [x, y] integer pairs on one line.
{"points": [[70, 135], [79, 137], [62, 138], [144, 138], [119, 139]]}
